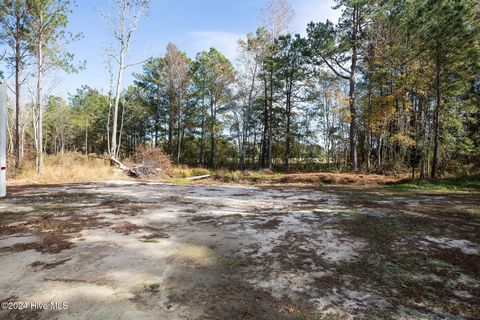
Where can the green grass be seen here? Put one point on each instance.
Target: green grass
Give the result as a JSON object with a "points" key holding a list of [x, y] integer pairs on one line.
{"points": [[263, 176], [152, 287], [150, 241], [229, 264], [186, 172], [179, 181], [438, 185]]}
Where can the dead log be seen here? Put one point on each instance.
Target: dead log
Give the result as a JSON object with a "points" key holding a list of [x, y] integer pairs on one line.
{"points": [[120, 165], [199, 177]]}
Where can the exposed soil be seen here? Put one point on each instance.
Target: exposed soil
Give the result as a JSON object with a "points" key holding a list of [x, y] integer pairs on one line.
{"points": [[158, 251]]}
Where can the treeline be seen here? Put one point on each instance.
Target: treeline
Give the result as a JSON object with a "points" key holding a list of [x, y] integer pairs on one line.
{"points": [[394, 86]]}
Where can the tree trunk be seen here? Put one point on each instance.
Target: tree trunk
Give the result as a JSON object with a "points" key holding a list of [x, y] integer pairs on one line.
{"points": [[202, 137], [351, 94], [379, 152], [288, 109], [270, 131], [39, 100], [265, 126], [117, 152], [202, 142], [17, 90], [436, 118], [113, 146], [179, 135], [86, 136], [212, 133]]}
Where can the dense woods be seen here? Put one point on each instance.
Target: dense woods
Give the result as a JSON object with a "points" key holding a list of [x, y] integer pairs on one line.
{"points": [[394, 86]]}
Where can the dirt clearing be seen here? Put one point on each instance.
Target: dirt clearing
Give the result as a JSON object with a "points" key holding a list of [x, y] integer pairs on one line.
{"points": [[124, 250]]}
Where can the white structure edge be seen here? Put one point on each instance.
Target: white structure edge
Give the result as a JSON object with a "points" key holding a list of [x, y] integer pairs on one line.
{"points": [[3, 139]]}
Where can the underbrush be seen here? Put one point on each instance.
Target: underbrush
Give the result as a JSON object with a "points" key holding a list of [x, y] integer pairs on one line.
{"points": [[69, 167]]}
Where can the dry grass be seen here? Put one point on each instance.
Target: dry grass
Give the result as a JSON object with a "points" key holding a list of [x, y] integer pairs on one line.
{"points": [[69, 167], [339, 178]]}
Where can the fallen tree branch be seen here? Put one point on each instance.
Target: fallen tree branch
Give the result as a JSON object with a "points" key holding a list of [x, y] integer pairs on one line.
{"points": [[120, 165], [198, 177]]}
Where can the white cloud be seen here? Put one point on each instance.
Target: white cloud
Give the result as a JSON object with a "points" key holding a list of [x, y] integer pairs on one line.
{"points": [[225, 42], [307, 11]]}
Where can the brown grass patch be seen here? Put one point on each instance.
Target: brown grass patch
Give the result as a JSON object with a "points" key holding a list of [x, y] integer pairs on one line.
{"points": [[126, 228], [270, 224], [50, 243]]}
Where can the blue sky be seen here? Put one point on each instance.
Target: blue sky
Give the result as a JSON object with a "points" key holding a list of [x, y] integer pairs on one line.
{"points": [[193, 25]]}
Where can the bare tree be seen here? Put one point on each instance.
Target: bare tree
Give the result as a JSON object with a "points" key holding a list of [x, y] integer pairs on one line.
{"points": [[123, 22], [277, 17]]}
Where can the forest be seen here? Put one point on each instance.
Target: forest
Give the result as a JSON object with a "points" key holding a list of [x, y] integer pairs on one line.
{"points": [[392, 87]]}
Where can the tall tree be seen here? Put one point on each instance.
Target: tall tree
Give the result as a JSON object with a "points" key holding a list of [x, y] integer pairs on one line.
{"points": [[290, 72], [448, 30], [218, 74], [276, 19], [176, 77], [339, 48], [248, 89], [14, 26], [123, 23], [49, 19]]}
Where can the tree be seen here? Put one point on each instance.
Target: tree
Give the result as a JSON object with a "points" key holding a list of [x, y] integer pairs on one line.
{"points": [[217, 74], [291, 70], [123, 23], [448, 31], [14, 25], [49, 19], [88, 107], [176, 77], [153, 92], [276, 19], [248, 87], [338, 47], [57, 121]]}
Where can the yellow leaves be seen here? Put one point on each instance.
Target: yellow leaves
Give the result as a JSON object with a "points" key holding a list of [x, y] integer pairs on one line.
{"points": [[343, 113], [401, 139]]}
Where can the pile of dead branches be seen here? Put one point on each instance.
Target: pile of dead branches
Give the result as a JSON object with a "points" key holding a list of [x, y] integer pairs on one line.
{"points": [[147, 163]]}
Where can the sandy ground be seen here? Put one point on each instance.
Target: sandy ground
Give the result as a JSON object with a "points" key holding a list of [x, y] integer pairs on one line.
{"points": [[124, 250]]}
